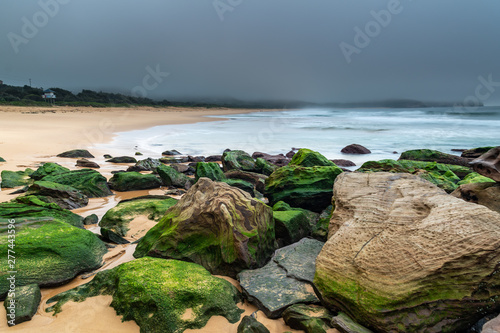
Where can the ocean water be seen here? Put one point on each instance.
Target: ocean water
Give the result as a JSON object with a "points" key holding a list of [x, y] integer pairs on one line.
{"points": [[386, 132]]}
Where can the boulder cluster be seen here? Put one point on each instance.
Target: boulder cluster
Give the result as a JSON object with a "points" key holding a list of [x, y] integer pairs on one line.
{"points": [[407, 245]]}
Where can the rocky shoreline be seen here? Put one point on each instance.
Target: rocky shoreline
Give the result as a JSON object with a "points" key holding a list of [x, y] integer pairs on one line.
{"points": [[407, 245]]}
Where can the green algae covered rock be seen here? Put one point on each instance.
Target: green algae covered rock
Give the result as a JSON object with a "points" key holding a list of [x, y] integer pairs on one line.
{"points": [[31, 207], [209, 170], [345, 324], [164, 296], [119, 217], [48, 169], [250, 325], [65, 196], [305, 187], [172, 177], [12, 179], [22, 304], [2, 160], [89, 182], [428, 155], [264, 167], [215, 225], [133, 181], [291, 226], [48, 252], [445, 176], [241, 184], [309, 318], [76, 153], [475, 177], [238, 160], [309, 158]]}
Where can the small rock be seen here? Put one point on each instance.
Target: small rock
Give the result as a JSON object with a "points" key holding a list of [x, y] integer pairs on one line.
{"points": [[309, 318], [344, 324], [170, 160], [23, 306], [91, 219], [122, 159], [290, 154], [172, 152], [133, 181], [2, 160], [137, 153], [196, 158], [279, 160], [181, 167], [84, 163], [343, 163], [250, 325], [76, 153], [213, 158], [355, 149], [107, 156], [113, 237], [476, 152]]}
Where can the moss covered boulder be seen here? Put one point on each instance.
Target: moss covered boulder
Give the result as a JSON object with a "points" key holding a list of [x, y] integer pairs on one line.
{"points": [[291, 226], [304, 187], [136, 214], [164, 296], [309, 158], [475, 177], [65, 196], [250, 325], [48, 169], [89, 182], [2, 160], [31, 207], [172, 177], [215, 225], [133, 181], [48, 252], [209, 170], [265, 167], [12, 179], [242, 185], [428, 155], [309, 318], [122, 159], [238, 160], [22, 304], [404, 256]]}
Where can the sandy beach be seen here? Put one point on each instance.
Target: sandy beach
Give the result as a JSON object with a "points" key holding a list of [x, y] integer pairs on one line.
{"points": [[31, 135]]}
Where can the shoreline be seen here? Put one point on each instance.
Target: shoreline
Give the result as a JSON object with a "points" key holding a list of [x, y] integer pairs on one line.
{"points": [[31, 134]]}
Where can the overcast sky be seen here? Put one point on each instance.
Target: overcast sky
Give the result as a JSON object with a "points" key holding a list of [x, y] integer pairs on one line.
{"points": [[309, 50]]}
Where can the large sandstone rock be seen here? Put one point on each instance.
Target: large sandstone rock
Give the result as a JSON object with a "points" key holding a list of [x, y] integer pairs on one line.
{"points": [[215, 225], [403, 256], [161, 296], [488, 164]]}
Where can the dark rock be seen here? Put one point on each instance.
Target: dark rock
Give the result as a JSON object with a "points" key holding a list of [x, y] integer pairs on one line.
{"points": [[308, 158], [428, 155], [343, 163], [216, 225], [65, 196], [181, 167], [172, 152], [258, 180], [242, 185], [196, 158], [122, 159], [22, 305], [172, 177], [485, 194], [458, 150], [48, 169], [250, 325], [355, 149], [177, 191], [345, 324], [76, 153], [305, 187], [2, 160], [264, 167], [309, 318], [290, 154], [88, 181], [11, 179], [113, 237], [133, 181], [137, 153], [84, 163], [91, 219], [209, 170], [167, 296], [278, 160], [238, 160], [213, 158], [476, 152], [291, 226], [52, 251], [107, 156], [488, 164], [148, 164], [272, 291], [21, 190]]}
